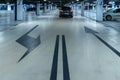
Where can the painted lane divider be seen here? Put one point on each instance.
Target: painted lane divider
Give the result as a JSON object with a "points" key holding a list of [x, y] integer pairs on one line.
{"points": [[88, 30], [55, 61], [66, 75], [28, 42]]}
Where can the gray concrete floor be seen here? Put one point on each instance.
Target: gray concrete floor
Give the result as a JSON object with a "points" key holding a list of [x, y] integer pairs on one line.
{"points": [[88, 57]]}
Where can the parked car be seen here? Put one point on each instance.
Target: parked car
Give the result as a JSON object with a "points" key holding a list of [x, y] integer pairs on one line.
{"points": [[65, 11], [111, 14], [31, 9]]}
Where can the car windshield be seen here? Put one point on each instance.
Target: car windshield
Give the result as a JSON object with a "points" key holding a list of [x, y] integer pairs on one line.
{"points": [[110, 10], [66, 8]]}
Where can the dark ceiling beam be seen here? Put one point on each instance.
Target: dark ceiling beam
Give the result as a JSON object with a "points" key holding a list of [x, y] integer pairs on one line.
{"points": [[53, 1]]}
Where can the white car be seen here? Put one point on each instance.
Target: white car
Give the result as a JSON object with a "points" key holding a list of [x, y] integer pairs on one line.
{"points": [[111, 14]]}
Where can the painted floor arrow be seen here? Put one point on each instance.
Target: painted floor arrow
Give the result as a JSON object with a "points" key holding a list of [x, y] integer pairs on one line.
{"points": [[88, 30], [28, 42]]}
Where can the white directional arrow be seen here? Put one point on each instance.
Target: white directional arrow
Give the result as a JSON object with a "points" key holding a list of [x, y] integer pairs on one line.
{"points": [[28, 42], [88, 30]]}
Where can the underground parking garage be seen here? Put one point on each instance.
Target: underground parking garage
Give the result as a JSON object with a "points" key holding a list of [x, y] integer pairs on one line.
{"points": [[59, 39]]}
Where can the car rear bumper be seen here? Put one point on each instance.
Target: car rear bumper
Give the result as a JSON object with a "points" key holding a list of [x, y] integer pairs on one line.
{"points": [[66, 14]]}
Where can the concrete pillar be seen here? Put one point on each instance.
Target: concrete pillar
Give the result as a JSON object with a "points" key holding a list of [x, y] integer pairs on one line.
{"points": [[82, 8], [93, 8], [19, 10], [99, 10], [106, 7], [8, 7], [38, 9], [50, 6], [113, 5], [45, 7]]}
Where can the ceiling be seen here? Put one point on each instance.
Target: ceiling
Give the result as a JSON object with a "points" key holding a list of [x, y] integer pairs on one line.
{"points": [[54, 1]]}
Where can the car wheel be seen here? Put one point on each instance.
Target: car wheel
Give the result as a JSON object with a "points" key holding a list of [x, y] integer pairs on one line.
{"points": [[109, 18], [60, 16], [71, 16]]}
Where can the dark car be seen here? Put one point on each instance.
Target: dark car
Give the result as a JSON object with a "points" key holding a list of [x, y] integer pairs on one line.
{"points": [[31, 9], [65, 11]]}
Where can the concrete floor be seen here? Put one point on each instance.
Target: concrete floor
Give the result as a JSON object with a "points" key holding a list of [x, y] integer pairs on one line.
{"points": [[80, 53]]}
